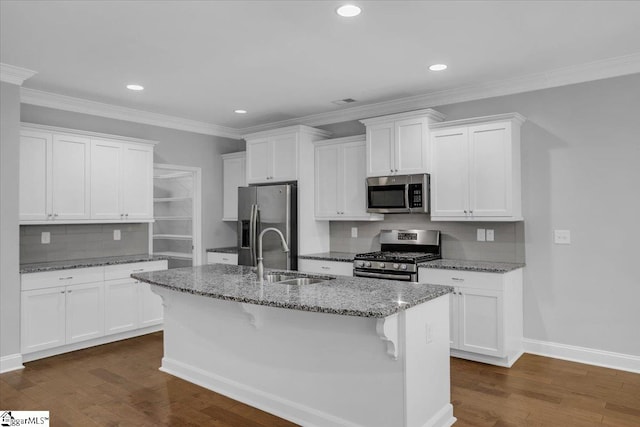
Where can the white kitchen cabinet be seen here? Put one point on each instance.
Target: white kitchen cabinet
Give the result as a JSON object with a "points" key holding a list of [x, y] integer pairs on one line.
{"points": [[340, 190], [84, 312], [475, 173], [485, 313], [121, 305], [233, 176], [399, 144], [222, 258], [272, 159], [337, 268], [70, 176], [150, 306], [54, 176]]}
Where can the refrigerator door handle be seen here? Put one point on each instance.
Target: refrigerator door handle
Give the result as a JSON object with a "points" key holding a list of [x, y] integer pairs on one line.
{"points": [[252, 243]]}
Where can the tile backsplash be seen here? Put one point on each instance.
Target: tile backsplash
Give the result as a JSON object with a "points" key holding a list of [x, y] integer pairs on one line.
{"points": [[69, 242], [458, 238]]}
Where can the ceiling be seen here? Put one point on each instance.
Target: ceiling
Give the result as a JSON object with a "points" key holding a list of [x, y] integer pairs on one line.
{"points": [[282, 60]]}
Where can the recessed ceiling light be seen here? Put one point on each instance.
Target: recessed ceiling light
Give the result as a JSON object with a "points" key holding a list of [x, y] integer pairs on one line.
{"points": [[438, 67], [135, 87], [348, 10], [240, 111]]}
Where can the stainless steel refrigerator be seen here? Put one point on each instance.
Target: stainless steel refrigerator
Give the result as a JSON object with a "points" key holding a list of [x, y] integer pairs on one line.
{"points": [[263, 206]]}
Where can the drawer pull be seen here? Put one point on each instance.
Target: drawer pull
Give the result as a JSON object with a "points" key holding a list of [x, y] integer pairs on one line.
{"points": [[457, 279], [137, 270], [325, 267], [65, 278], [225, 259]]}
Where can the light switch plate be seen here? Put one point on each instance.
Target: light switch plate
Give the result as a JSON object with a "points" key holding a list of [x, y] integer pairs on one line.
{"points": [[116, 235], [562, 237], [45, 238], [481, 235], [490, 235], [354, 231]]}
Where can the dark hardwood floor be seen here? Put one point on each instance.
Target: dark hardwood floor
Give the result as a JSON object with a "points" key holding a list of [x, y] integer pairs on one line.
{"points": [[119, 384]]}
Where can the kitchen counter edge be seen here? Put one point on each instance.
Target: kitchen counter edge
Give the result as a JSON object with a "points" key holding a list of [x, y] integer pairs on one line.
{"points": [[88, 262]]}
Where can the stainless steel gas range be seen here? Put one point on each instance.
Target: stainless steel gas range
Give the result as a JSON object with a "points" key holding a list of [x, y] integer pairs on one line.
{"points": [[401, 252]]}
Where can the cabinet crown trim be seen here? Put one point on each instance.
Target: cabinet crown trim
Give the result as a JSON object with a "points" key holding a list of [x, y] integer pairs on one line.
{"points": [[429, 113], [308, 130], [343, 140], [514, 117], [77, 132], [237, 155]]}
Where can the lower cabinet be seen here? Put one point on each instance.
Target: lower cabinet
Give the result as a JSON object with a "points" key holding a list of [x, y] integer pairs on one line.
{"points": [[87, 307], [486, 314], [222, 258], [338, 268]]}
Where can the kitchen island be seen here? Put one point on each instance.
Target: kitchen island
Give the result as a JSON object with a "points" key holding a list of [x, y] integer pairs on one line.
{"points": [[344, 351]]}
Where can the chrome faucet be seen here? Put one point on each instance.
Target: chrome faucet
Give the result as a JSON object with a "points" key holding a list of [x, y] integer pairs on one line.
{"points": [[285, 248]]}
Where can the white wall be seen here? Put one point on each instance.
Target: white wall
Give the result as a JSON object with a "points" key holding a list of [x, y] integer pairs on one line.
{"points": [[175, 147], [9, 229]]}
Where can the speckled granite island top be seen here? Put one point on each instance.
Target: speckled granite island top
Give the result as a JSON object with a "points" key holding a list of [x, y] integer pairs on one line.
{"points": [[351, 296], [479, 266], [88, 262], [330, 256], [225, 250]]}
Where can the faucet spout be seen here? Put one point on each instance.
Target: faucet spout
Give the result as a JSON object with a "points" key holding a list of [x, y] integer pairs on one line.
{"points": [[285, 248]]}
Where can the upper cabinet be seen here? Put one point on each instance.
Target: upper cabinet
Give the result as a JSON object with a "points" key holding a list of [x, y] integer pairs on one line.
{"points": [[233, 176], [399, 144], [71, 176], [340, 190], [272, 156], [475, 172]]}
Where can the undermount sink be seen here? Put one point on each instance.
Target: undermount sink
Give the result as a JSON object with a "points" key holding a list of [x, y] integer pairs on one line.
{"points": [[293, 279]]}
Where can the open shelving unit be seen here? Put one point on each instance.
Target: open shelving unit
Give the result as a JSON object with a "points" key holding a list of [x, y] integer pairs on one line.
{"points": [[177, 228]]}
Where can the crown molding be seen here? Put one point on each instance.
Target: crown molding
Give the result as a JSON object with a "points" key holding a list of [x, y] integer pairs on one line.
{"points": [[607, 68], [303, 129], [512, 117], [14, 75], [597, 70], [78, 105]]}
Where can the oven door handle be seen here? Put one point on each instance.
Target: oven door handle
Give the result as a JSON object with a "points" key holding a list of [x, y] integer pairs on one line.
{"points": [[406, 277]]}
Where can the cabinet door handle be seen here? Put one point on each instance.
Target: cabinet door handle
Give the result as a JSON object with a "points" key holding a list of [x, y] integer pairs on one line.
{"points": [[225, 259], [69, 292], [127, 215], [55, 214], [457, 279], [65, 278], [62, 292], [324, 267], [48, 216]]}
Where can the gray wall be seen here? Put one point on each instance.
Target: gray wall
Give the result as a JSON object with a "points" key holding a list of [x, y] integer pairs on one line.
{"points": [[81, 241], [9, 263], [175, 147], [581, 172]]}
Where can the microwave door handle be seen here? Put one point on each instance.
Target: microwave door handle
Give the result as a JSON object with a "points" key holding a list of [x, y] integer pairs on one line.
{"points": [[406, 196]]}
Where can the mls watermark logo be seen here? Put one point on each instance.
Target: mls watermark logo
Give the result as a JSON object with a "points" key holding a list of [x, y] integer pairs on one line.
{"points": [[24, 418]]}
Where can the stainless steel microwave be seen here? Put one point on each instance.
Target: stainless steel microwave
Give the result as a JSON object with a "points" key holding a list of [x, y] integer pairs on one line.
{"points": [[398, 194]]}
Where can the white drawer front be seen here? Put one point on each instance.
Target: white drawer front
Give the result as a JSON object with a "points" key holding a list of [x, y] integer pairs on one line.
{"points": [[123, 271], [72, 276], [338, 268], [469, 279], [222, 258]]}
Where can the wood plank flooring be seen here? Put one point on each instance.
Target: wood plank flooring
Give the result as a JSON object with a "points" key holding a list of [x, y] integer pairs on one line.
{"points": [[119, 384]]}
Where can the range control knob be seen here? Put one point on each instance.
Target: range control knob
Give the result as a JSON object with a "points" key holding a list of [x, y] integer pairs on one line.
{"points": [[360, 264], [396, 266], [367, 264], [382, 265], [403, 267]]}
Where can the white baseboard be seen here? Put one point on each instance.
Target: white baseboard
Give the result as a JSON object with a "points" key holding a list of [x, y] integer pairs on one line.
{"points": [[11, 362], [590, 356], [443, 418]]}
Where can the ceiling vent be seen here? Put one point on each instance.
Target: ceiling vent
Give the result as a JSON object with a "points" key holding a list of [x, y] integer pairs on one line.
{"points": [[343, 101]]}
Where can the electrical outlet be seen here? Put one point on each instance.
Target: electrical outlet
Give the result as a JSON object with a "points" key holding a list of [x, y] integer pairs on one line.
{"points": [[116, 235], [481, 235], [354, 231], [45, 238], [562, 237], [490, 235]]}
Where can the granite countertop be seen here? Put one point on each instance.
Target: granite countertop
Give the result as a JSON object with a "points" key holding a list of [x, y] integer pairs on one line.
{"points": [[330, 256], [351, 296], [225, 250], [88, 262], [479, 266]]}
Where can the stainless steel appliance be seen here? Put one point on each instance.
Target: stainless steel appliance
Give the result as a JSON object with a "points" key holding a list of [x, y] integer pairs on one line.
{"points": [[401, 252], [261, 207], [398, 194]]}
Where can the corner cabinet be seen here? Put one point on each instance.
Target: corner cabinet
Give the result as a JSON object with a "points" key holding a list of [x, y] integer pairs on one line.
{"points": [[75, 177], [486, 314], [475, 172], [273, 156], [340, 190], [233, 176], [399, 144]]}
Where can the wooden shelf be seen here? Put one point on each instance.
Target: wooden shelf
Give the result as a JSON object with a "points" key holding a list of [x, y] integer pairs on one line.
{"points": [[171, 199], [173, 236], [173, 175], [181, 255]]}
